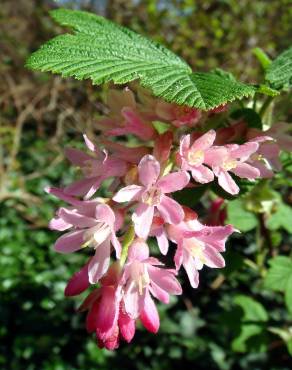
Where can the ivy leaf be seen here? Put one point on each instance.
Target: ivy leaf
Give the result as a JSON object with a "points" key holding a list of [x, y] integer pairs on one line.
{"points": [[252, 322], [279, 278], [104, 51], [281, 218], [279, 72], [239, 217]]}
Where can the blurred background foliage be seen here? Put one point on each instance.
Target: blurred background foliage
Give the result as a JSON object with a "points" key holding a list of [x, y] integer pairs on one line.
{"points": [[240, 317]]}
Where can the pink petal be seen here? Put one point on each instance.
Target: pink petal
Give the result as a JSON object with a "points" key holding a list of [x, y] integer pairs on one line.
{"points": [[82, 187], [162, 241], [135, 125], [106, 313], [60, 193], [149, 169], [127, 326], [99, 263], [173, 182], [75, 218], [202, 174], [70, 242], [78, 283], [91, 317], [205, 141], [165, 279], [149, 316], [178, 257], [104, 213], [128, 193], [76, 156], [142, 219], [159, 293], [244, 151], [184, 146], [59, 224], [213, 258], [116, 244], [170, 210], [191, 271], [138, 251], [133, 300], [215, 156], [90, 145], [246, 171], [227, 182]]}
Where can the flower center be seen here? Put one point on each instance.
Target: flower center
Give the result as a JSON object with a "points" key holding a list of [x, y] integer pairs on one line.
{"points": [[229, 164], [140, 276], [97, 234], [195, 158], [196, 249], [152, 196]]}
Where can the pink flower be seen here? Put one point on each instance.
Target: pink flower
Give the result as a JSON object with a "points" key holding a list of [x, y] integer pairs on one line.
{"points": [[96, 169], [124, 117], [142, 276], [280, 132], [131, 155], [192, 156], [151, 195], [266, 158], [93, 224], [198, 245], [106, 314], [179, 115], [232, 158], [78, 283]]}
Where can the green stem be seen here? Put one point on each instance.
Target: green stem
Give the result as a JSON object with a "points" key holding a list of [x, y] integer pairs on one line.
{"points": [[265, 105], [128, 238]]}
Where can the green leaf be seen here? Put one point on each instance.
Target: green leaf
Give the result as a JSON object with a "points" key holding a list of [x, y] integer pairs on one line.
{"points": [[103, 51], [279, 273], [288, 294], [254, 316], [239, 217], [281, 218], [279, 73]]}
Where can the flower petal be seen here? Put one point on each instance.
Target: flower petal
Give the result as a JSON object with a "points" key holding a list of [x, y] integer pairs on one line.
{"points": [[149, 169], [202, 174], [127, 326], [205, 141], [246, 171], [149, 316], [75, 218], [170, 210], [76, 156], [82, 187], [70, 242], [78, 283], [191, 271], [173, 182], [99, 263], [142, 219], [227, 182], [104, 213], [128, 194], [213, 258], [165, 279], [107, 312]]}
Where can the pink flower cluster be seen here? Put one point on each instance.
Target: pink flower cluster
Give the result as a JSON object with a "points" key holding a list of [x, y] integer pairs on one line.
{"points": [[142, 181]]}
